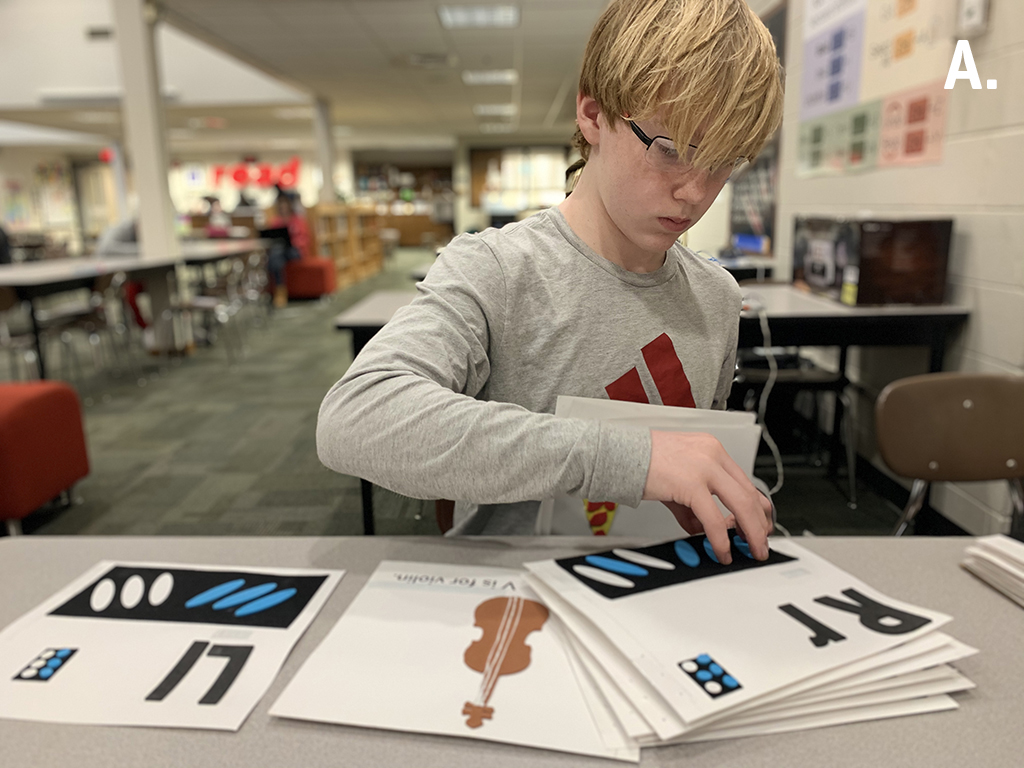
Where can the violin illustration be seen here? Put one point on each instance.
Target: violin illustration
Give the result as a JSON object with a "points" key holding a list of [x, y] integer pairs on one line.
{"points": [[506, 621]]}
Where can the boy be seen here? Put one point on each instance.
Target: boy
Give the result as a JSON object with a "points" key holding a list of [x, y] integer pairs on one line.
{"points": [[593, 298]]}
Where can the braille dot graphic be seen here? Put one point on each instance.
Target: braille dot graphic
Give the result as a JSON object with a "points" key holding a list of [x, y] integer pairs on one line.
{"points": [[161, 589], [47, 654], [132, 591], [38, 664], [712, 687], [715, 670], [703, 659], [28, 674], [703, 675], [690, 667], [729, 681], [102, 595]]}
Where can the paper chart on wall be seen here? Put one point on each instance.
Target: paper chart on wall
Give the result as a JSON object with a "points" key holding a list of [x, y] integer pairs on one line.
{"points": [[842, 142], [907, 43], [572, 516], [913, 126], [705, 661], [832, 67], [158, 644], [463, 651]]}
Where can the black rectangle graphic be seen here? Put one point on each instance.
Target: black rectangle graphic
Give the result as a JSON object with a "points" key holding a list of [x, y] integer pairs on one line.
{"points": [[189, 596]]}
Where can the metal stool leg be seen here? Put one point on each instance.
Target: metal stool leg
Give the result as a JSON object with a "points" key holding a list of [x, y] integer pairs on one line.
{"points": [[914, 504]]}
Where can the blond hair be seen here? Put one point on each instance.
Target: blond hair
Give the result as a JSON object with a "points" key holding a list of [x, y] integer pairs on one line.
{"points": [[707, 68]]}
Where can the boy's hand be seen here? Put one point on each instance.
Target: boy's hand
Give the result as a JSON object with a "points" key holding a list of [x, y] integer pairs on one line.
{"points": [[686, 469]]}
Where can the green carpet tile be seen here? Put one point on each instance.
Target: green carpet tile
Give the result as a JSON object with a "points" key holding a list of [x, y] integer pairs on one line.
{"points": [[211, 448]]}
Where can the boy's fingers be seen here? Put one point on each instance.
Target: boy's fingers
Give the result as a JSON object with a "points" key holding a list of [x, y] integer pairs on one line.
{"points": [[705, 508], [685, 517], [749, 516]]}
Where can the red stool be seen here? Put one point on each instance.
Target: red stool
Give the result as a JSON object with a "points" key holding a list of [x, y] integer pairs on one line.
{"points": [[42, 446], [310, 278]]}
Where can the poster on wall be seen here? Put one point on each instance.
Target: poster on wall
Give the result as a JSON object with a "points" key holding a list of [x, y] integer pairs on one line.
{"points": [[832, 60], [53, 188], [840, 143], [154, 644], [908, 42], [913, 126]]}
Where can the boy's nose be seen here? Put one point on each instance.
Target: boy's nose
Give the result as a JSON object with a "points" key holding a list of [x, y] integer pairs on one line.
{"points": [[693, 186]]}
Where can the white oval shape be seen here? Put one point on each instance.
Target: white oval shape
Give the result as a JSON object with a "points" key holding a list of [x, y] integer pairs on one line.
{"points": [[690, 666], [611, 579], [28, 674], [132, 591], [47, 654], [102, 595], [161, 589], [38, 664], [641, 559], [712, 687]]}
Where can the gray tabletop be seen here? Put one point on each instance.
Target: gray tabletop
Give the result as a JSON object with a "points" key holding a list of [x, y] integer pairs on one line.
{"points": [[986, 731]]}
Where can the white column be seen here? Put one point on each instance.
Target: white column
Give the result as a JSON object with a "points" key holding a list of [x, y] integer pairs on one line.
{"points": [[120, 180], [324, 148], [142, 113], [344, 173]]}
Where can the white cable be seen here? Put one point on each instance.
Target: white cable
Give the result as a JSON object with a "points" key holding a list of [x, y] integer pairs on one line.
{"points": [[773, 374]]}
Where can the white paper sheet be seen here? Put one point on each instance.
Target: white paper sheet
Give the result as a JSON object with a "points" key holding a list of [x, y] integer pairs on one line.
{"points": [[757, 627], [571, 516], [418, 651], [158, 644]]}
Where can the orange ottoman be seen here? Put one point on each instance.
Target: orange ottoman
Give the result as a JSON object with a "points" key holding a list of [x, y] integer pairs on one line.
{"points": [[310, 278], [42, 446]]}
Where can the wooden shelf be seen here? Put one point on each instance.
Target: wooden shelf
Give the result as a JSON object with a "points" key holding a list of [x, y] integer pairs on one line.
{"points": [[348, 235]]}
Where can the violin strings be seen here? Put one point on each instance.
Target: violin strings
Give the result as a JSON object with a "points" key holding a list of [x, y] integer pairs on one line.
{"points": [[502, 643]]}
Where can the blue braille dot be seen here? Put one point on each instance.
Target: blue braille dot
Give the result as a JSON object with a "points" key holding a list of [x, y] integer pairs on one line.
{"points": [[729, 681], [703, 659], [63, 653], [54, 663], [616, 566], [710, 550], [715, 670], [703, 675], [687, 554], [45, 672]]}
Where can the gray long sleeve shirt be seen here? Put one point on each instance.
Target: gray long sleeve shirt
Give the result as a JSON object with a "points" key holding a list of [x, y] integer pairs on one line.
{"points": [[454, 397]]}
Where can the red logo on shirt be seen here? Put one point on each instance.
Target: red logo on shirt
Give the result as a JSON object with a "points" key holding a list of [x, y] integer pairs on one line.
{"points": [[667, 371]]}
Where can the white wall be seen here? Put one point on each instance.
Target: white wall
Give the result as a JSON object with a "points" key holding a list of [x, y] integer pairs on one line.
{"points": [[980, 183], [58, 59]]}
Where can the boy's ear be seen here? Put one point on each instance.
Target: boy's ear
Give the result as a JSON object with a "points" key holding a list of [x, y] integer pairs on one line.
{"points": [[587, 112]]}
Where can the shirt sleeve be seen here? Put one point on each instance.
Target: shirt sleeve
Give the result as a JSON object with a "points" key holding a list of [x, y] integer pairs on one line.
{"points": [[409, 415]]}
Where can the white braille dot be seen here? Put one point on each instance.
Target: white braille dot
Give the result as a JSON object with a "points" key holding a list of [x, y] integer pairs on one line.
{"points": [[102, 595], [712, 687], [132, 591], [690, 667], [933, 465], [968, 404], [161, 589], [47, 654], [28, 674], [38, 664]]}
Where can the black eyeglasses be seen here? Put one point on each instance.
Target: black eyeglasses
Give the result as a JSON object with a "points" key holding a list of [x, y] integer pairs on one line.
{"points": [[663, 154]]}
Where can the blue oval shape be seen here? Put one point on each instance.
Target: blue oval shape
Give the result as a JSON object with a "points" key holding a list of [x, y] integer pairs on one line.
{"points": [[703, 675], [45, 672], [742, 546], [214, 593], [729, 681], [703, 659], [63, 653], [687, 554], [710, 551], [55, 662], [265, 602], [616, 566], [715, 670], [245, 596]]}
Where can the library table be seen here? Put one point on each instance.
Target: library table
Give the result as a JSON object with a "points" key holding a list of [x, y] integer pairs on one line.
{"points": [[985, 730]]}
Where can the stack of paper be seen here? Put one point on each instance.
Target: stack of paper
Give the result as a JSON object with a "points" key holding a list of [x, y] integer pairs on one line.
{"points": [[685, 649], [999, 561], [603, 654]]}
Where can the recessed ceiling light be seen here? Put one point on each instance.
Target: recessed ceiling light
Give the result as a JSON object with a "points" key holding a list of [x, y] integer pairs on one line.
{"points": [[494, 110], [490, 77], [497, 127], [478, 16]]}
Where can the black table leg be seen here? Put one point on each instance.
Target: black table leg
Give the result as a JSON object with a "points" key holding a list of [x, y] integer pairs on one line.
{"points": [[367, 490], [39, 342]]}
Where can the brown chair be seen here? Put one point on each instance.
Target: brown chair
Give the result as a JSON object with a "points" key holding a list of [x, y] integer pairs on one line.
{"points": [[954, 427]]}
